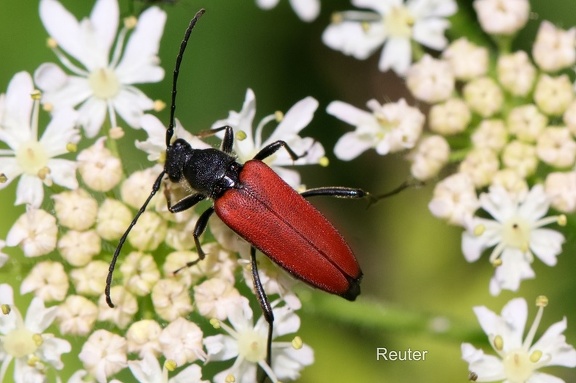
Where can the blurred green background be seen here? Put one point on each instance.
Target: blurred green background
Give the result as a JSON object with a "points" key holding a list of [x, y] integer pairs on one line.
{"points": [[412, 262]]}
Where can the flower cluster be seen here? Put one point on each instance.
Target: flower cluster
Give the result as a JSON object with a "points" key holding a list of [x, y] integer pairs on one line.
{"points": [[496, 136], [149, 331], [505, 118]]}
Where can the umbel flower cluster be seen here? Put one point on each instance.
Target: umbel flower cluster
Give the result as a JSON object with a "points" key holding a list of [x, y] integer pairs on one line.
{"points": [[492, 128]]}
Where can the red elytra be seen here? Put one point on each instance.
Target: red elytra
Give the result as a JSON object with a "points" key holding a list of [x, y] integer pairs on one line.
{"points": [[279, 222]]}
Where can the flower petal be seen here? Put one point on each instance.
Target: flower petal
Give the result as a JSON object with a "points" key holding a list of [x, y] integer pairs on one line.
{"points": [[307, 10], [10, 168], [296, 119], [350, 146], [60, 132], [63, 172], [104, 19], [130, 104], [18, 105], [29, 191], [140, 62], [553, 344], [38, 317], [396, 55], [60, 89], [546, 244], [91, 116], [489, 368]]}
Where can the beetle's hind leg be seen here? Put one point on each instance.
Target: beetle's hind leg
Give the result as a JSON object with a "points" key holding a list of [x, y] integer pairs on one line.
{"points": [[266, 310]]}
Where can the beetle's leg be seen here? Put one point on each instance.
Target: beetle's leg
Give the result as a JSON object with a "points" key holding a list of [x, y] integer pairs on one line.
{"points": [[198, 231], [345, 192], [272, 148], [227, 141], [336, 191], [264, 304], [185, 203]]}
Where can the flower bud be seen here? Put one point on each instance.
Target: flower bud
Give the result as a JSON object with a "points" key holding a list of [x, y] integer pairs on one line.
{"points": [[100, 170]]}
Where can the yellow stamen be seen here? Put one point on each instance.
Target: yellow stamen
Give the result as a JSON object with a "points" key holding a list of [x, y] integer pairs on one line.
{"points": [[130, 22], [498, 343], [51, 43], [278, 115], [240, 135], [71, 147], [324, 161], [297, 343], [159, 105], [542, 301], [535, 356], [170, 365], [215, 323], [5, 309], [479, 230], [37, 338], [229, 378], [36, 94], [116, 133], [3, 178]]}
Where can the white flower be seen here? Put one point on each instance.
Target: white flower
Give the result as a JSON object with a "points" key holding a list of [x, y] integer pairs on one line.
{"points": [[143, 337], [103, 354], [429, 156], [484, 96], [516, 73], [561, 189], [75, 209], [553, 94], [516, 234], [23, 340], [480, 164], [307, 10], [35, 231], [394, 24], [29, 157], [139, 273], [47, 280], [553, 49], [181, 341], [247, 343], [104, 82], [287, 130], [466, 59], [125, 307], [171, 299], [454, 199], [387, 128], [430, 80], [99, 168], [518, 359], [90, 279], [77, 315], [213, 296], [148, 370], [502, 17]]}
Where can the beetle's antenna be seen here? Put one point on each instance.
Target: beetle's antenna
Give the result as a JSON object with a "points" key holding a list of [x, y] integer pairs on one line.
{"points": [[170, 130], [155, 189], [412, 183]]}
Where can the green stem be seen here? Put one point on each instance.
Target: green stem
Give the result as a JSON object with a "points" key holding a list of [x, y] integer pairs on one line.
{"points": [[376, 316]]}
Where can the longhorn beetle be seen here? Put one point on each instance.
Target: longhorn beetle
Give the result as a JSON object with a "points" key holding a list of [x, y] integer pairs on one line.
{"points": [[260, 207]]}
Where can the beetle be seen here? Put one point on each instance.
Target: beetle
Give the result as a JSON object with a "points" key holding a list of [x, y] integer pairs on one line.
{"points": [[260, 207]]}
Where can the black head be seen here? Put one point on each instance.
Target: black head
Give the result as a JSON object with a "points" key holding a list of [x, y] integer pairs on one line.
{"points": [[177, 156]]}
